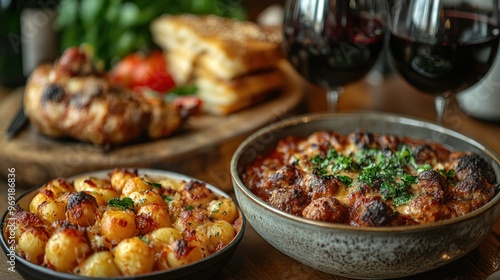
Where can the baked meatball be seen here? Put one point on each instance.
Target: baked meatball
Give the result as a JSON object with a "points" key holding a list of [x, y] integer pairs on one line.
{"points": [[472, 163], [430, 182], [425, 154], [372, 212], [291, 200], [326, 209], [427, 208]]}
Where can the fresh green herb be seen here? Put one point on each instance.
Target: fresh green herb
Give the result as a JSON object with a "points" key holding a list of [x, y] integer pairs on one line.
{"points": [[216, 210], [168, 198], [172, 94], [369, 174], [398, 192], [344, 179], [419, 167], [388, 170], [423, 167], [116, 28], [145, 239], [332, 163], [402, 198], [184, 90], [447, 174], [409, 179], [402, 156], [189, 207], [153, 184], [382, 168], [124, 203]]}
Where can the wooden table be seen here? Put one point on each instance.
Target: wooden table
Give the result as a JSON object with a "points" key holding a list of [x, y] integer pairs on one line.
{"points": [[256, 259]]}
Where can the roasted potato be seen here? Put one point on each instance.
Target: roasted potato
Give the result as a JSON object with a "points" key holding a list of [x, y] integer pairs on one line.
{"points": [[123, 225]]}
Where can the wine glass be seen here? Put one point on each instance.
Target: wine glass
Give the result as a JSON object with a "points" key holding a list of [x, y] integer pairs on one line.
{"points": [[334, 42], [443, 46]]}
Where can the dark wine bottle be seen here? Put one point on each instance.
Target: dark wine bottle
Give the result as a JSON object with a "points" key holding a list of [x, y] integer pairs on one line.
{"points": [[11, 65], [38, 36], [27, 38]]}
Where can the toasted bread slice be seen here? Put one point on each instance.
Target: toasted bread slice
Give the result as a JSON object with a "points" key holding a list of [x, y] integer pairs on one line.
{"points": [[228, 47], [223, 92], [181, 65], [227, 109]]}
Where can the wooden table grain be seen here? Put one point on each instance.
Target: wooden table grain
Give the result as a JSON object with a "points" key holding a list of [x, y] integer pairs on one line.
{"points": [[256, 259]]}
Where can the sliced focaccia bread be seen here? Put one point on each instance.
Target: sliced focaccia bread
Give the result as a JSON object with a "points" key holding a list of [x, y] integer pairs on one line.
{"points": [[228, 47]]}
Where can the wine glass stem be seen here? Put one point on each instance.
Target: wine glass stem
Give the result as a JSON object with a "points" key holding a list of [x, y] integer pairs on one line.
{"points": [[332, 98], [441, 103]]}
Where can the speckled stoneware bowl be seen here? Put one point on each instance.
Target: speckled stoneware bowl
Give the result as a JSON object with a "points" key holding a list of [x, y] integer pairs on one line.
{"points": [[202, 269], [357, 252]]}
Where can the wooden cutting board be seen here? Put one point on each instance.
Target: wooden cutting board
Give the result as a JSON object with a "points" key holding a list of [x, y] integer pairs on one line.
{"points": [[205, 142]]}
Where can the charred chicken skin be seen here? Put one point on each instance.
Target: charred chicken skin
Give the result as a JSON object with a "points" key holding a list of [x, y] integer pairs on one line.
{"points": [[72, 98]]}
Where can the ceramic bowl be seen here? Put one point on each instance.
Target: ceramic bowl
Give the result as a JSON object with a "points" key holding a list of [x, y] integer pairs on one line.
{"points": [[363, 252], [202, 269]]}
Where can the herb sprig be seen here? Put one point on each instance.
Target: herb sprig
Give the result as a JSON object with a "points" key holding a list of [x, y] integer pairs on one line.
{"points": [[152, 184], [124, 203]]}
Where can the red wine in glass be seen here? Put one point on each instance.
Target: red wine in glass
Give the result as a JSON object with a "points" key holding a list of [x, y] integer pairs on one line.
{"points": [[333, 44], [452, 55], [450, 64]]}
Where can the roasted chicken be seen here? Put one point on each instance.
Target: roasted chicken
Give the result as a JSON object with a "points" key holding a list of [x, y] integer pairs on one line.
{"points": [[73, 98]]}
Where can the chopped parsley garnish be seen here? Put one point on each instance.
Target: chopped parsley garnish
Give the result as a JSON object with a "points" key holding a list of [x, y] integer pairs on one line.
{"points": [[216, 210], [333, 163], [145, 239], [153, 184], [168, 198], [344, 179], [447, 174], [382, 168], [124, 203], [423, 167]]}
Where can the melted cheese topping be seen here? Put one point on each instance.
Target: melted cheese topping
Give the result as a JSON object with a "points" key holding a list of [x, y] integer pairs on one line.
{"points": [[366, 179]]}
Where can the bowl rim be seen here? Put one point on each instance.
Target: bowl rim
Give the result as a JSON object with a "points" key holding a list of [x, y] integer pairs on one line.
{"points": [[311, 117], [146, 171]]}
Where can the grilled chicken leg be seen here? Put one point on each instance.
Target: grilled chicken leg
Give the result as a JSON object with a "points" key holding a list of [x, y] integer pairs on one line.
{"points": [[72, 98]]}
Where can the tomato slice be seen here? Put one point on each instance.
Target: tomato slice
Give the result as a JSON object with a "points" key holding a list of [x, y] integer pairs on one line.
{"points": [[137, 72], [158, 77], [123, 72]]}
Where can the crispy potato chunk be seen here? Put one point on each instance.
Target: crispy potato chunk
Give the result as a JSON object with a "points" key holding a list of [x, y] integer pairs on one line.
{"points": [[122, 225], [65, 249], [133, 256], [117, 225], [100, 264]]}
